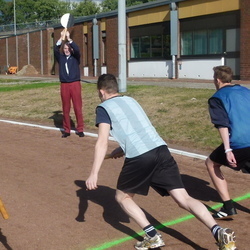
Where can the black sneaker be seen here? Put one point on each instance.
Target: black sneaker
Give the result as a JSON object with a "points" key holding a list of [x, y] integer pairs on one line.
{"points": [[80, 134], [65, 135], [225, 214]]}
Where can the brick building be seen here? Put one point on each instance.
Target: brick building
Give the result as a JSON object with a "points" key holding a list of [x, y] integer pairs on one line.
{"points": [[170, 39]]}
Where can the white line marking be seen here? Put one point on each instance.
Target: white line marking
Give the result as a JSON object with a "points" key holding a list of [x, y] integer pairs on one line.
{"points": [[174, 151]]}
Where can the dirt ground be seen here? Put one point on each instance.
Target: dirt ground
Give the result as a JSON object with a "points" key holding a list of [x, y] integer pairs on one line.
{"points": [[42, 187]]}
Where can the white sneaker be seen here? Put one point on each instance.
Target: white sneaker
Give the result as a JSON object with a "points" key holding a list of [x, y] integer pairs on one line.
{"points": [[226, 239], [150, 242]]}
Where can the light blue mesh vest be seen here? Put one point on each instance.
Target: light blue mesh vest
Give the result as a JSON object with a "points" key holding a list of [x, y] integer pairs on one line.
{"points": [[131, 127]]}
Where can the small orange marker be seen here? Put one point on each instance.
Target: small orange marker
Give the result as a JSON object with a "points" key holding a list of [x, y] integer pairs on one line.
{"points": [[3, 211]]}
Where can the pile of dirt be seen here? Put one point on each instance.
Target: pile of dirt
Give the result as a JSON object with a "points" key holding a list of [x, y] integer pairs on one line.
{"points": [[27, 70]]}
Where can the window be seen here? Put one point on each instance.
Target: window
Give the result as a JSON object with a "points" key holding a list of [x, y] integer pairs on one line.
{"points": [[155, 46], [135, 48], [215, 41], [202, 42], [187, 43], [166, 46], [145, 47]]}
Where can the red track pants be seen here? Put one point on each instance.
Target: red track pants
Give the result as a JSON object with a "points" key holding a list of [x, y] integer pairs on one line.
{"points": [[72, 92]]}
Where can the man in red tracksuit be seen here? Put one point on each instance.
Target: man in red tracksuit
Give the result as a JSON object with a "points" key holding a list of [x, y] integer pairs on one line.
{"points": [[69, 74]]}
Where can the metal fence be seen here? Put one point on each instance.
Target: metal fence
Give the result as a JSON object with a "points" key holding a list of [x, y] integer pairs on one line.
{"points": [[12, 29]]}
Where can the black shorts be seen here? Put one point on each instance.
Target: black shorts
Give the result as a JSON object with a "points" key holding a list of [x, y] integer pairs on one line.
{"points": [[156, 169], [242, 156]]}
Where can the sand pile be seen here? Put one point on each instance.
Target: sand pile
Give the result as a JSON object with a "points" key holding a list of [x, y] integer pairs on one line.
{"points": [[27, 70]]}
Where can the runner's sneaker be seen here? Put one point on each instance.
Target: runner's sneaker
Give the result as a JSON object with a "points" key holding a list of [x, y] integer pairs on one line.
{"points": [[150, 242], [225, 214], [226, 239]]}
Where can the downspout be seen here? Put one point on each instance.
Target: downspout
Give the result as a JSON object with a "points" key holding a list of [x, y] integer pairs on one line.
{"points": [[95, 44], [122, 78], [174, 34]]}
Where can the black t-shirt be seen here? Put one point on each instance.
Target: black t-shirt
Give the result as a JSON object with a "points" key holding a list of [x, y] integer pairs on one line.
{"points": [[102, 116], [218, 113]]}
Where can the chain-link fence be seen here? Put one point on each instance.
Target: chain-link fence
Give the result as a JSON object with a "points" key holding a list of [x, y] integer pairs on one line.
{"points": [[12, 29]]}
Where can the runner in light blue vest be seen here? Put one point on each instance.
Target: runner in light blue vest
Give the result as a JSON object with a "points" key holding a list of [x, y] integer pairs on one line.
{"points": [[131, 127], [148, 163]]}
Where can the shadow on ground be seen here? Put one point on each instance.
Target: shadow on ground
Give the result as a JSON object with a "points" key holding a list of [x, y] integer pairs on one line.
{"points": [[114, 215], [57, 118]]}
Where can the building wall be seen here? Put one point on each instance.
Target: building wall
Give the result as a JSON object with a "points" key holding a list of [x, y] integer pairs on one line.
{"points": [[22, 50], [35, 52], [30, 48], [150, 69], [149, 16], [245, 40], [194, 8], [11, 57], [112, 45], [50, 62], [197, 69], [3, 57]]}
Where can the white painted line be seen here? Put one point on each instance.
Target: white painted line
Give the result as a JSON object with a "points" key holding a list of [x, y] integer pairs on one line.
{"points": [[174, 151], [47, 127], [28, 124], [192, 155]]}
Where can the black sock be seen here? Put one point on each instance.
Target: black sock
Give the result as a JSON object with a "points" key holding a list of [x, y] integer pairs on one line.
{"points": [[228, 204], [150, 230], [215, 230]]}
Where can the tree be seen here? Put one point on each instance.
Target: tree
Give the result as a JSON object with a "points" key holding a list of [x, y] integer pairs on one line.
{"points": [[32, 10], [109, 5], [25, 11], [47, 9], [6, 11], [43, 10], [136, 2], [86, 8], [133, 2]]}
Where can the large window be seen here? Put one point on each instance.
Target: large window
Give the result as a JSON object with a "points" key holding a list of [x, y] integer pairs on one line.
{"points": [[202, 42], [155, 46]]}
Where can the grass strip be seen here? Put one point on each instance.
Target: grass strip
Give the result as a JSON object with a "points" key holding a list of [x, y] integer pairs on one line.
{"points": [[18, 87]]}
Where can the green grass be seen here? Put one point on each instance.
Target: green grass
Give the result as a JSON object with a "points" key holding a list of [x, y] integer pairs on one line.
{"points": [[180, 115], [9, 81], [18, 87]]}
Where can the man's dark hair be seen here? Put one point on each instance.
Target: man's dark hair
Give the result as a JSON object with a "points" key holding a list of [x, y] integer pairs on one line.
{"points": [[224, 73], [108, 82]]}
